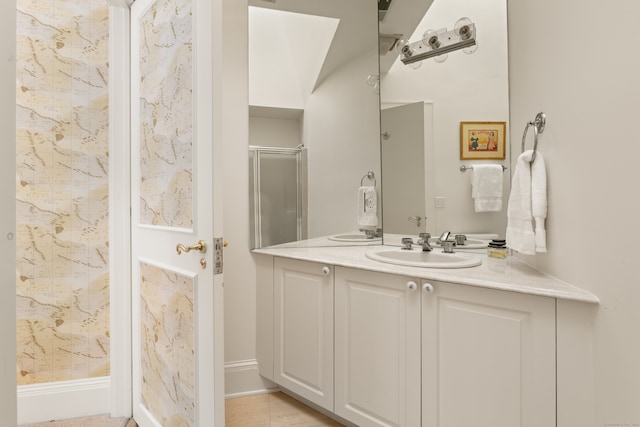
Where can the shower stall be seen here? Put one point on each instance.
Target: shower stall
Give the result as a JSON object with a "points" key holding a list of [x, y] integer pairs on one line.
{"points": [[277, 195]]}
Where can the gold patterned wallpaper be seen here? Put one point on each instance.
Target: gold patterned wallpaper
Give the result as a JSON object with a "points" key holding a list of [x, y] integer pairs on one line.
{"points": [[166, 125], [168, 359], [62, 190]]}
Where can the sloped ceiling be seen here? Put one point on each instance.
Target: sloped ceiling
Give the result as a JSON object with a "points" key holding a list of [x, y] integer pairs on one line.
{"points": [[287, 51]]}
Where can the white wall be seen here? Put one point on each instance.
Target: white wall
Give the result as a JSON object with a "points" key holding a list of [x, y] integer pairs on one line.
{"points": [[463, 88], [239, 266], [8, 215], [275, 132], [342, 134], [578, 62]]}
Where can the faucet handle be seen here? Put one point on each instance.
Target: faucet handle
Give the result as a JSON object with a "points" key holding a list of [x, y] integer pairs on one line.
{"points": [[447, 246], [425, 236], [407, 242]]}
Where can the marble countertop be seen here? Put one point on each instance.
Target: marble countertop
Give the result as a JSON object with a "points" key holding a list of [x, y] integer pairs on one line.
{"points": [[509, 274]]}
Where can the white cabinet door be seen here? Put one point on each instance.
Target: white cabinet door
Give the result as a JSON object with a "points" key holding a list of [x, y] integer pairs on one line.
{"points": [[488, 358], [377, 344], [303, 332]]}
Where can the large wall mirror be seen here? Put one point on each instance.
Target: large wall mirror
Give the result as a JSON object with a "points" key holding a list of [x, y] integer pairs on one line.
{"points": [[422, 107], [317, 113], [314, 128]]}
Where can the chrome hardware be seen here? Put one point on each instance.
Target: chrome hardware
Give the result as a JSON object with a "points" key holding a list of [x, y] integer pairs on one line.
{"points": [[445, 236], [447, 246], [538, 127], [370, 176], [372, 234], [465, 168], [407, 243], [461, 239], [412, 286], [417, 219], [424, 241], [200, 246], [427, 287], [326, 270]]}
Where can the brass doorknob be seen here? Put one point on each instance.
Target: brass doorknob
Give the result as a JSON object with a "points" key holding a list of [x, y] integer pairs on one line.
{"points": [[200, 246]]}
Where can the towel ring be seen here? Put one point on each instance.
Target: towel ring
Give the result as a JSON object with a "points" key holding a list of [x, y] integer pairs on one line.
{"points": [[538, 127], [368, 175]]}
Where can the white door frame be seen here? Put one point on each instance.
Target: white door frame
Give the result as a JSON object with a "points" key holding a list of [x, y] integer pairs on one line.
{"points": [[120, 207], [8, 396]]}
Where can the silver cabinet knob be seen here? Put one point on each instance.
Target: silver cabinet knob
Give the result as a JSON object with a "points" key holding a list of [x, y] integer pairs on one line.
{"points": [[427, 287], [326, 270], [411, 285]]}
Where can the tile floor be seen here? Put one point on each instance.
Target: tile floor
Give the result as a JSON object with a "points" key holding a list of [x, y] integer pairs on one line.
{"points": [[273, 410]]}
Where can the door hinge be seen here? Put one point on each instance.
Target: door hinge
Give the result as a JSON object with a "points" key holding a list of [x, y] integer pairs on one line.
{"points": [[218, 244]]}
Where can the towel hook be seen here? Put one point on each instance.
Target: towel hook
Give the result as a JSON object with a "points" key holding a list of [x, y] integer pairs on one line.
{"points": [[369, 175], [538, 127]]}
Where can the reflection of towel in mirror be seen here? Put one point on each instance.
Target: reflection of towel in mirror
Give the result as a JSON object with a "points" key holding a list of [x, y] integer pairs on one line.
{"points": [[486, 187], [528, 204], [367, 206]]}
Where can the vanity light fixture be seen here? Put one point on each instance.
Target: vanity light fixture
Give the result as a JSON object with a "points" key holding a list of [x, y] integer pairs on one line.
{"points": [[438, 43]]}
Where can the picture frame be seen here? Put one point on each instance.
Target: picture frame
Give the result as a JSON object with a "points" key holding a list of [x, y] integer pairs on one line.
{"points": [[483, 140]]}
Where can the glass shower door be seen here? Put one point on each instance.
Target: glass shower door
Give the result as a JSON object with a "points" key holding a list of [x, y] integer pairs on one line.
{"points": [[275, 195]]}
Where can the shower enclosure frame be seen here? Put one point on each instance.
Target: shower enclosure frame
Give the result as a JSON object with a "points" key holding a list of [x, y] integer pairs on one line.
{"points": [[255, 194]]}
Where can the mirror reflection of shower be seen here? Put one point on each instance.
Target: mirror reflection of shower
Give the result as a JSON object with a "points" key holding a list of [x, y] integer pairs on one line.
{"points": [[276, 180]]}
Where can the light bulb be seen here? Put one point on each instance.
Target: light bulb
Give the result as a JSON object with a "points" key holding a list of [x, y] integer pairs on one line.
{"points": [[415, 65], [400, 45], [441, 58], [470, 49], [463, 29], [376, 88], [430, 38]]}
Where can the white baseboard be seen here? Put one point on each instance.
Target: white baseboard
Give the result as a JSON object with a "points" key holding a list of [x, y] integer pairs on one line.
{"points": [[241, 378], [63, 400]]}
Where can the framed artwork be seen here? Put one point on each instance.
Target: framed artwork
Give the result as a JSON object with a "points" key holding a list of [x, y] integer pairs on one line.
{"points": [[482, 140]]}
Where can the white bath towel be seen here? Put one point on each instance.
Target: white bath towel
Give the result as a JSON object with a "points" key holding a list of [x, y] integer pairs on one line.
{"points": [[527, 203], [367, 207], [486, 187]]}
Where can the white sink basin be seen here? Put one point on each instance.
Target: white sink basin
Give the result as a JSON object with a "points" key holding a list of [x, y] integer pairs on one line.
{"points": [[468, 244], [419, 258], [353, 237]]}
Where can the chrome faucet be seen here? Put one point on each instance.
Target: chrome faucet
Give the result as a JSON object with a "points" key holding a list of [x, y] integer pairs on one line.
{"points": [[372, 234], [447, 245], [444, 236], [424, 241]]}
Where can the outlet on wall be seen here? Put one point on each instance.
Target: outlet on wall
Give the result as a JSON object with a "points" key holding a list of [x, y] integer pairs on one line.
{"points": [[440, 202]]}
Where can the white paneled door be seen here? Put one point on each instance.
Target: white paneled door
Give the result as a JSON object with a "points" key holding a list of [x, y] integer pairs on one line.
{"points": [[176, 287]]}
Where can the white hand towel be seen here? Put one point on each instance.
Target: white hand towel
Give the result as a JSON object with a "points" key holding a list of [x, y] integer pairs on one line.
{"points": [[367, 207], [486, 187], [539, 200], [528, 199]]}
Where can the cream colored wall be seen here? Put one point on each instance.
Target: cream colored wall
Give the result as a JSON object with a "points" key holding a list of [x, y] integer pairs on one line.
{"points": [[7, 215], [577, 61], [62, 190]]}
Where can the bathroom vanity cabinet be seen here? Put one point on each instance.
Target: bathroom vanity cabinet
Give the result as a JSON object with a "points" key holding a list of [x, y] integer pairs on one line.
{"points": [[403, 351], [303, 329]]}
